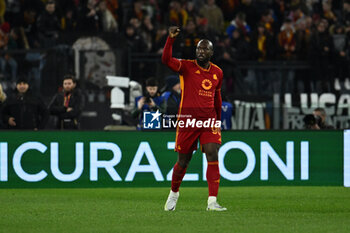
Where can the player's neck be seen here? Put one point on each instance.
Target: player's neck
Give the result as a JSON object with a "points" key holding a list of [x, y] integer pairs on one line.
{"points": [[203, 64]]}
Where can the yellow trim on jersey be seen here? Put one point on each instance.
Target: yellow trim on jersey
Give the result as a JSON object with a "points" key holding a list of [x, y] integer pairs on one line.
{"points": [[216, 66], [213, 163], [202, 67], [179, 66], [182, 84]]}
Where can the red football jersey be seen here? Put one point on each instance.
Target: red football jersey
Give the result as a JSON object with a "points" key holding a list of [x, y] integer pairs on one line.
{"points": [[199, 86]]}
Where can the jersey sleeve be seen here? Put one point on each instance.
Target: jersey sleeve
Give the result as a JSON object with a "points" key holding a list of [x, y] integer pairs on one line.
{"points": [[217, 97], [221, 76], [167, 57]]}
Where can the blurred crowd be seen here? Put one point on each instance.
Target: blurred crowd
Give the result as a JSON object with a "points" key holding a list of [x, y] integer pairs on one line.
{"points": [[317, 31], [314, 31]]}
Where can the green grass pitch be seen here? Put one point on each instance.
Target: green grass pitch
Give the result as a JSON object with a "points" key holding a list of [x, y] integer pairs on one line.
{"points": [[250, 209]]}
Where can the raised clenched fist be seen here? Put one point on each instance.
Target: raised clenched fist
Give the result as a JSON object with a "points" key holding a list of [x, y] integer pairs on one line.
{"points": [[174, 31]]}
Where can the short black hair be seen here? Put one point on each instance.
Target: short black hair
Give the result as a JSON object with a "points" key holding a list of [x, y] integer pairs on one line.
{"points": [[69, 76], [22, 79], [151, 82], [321, 110]]}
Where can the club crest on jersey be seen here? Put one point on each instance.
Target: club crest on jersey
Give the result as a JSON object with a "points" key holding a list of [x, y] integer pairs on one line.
{"points": [[198, 72], [214, 77], [206, 84]]}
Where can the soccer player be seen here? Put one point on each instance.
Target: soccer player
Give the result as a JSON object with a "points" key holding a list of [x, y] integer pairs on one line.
{"points": [[200, 99]]}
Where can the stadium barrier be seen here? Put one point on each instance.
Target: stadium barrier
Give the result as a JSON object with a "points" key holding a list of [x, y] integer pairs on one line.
{"points": [[128, 159]]}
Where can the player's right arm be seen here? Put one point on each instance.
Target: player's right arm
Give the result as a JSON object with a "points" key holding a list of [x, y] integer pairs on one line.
{"points": [[167, 57]]}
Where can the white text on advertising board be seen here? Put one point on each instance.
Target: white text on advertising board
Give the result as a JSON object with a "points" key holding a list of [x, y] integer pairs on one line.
{"points": [[144, 152]]}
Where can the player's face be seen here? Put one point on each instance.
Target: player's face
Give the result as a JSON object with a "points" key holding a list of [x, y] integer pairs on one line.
{"points": [[204, 51], [68, 85]]}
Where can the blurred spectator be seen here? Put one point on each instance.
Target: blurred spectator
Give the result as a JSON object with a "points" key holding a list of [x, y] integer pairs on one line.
{"points": [[328, 13], [192, 11], [190, 40], [2, 11], [280, 11], [4, 37], [214, 16], [287, 40], [172, 95], [228, 52], [30, 28], [160, 39], [48, 26], [115, 8], [321, 47], [2, 100], [240, 46], [137, 11], [108, 22], [23, 110], [204, 30], [148, 32], [302, 36], [135, 44], [263, 49], [151, 9], [263, 44], [196, 18], [337, 6], [15, 41], [229, 7], [68, 22], [341, 56], [246, 7], [226, 58], [321, 118], [8, 42], [36, 61], [238, 23], [226, 115], [136, 23], [310, 122], [296, 13], [345, 17], [13, 12], [268, 21], [134, 41], [151, 100], [287, 45], [68, 105], [177, 14], [30, 39], [88, 20]]}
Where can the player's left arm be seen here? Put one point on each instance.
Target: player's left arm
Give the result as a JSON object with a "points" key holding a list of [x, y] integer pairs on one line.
{"points": [[217, 97]]}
